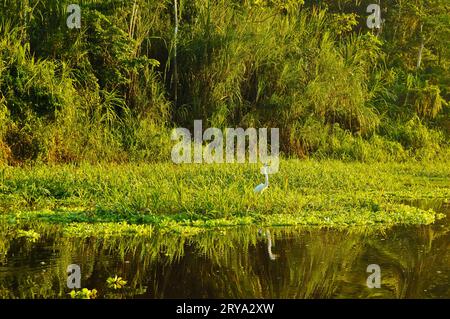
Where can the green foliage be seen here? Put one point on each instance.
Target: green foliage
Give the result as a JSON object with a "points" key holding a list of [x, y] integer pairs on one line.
{"points": [[136, 199], [52, 112], [344, 23], [428, 101], [284, 6], [30, 235], [107, 91], [83, 294], [116, 282]]}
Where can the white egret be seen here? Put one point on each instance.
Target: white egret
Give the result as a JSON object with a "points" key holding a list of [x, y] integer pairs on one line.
{"points": [[263, 186]]}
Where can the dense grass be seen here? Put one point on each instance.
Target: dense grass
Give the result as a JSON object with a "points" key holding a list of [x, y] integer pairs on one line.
{"points": [[313, 193]]}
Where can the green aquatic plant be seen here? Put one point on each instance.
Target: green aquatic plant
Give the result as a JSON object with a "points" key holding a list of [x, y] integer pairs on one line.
{"points": [[116, 282], [83, 294], [133, 199], [30, 235]]}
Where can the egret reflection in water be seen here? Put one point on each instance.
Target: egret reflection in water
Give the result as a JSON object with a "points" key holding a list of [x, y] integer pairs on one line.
{"points": [[272, 256]]}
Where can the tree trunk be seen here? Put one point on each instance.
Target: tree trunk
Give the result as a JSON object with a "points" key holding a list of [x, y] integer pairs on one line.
{"points": [[419, 56], [133, 20], [175, 67], [422, 46]]}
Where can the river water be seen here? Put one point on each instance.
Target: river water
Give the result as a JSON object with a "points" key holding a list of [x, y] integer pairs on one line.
{"points": [[244, 262]]}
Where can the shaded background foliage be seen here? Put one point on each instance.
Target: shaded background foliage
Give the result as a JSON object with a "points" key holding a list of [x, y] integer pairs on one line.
{"points": [[113, 89]]}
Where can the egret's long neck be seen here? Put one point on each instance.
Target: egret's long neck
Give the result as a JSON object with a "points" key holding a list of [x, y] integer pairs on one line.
{"points": [[267, 177]]}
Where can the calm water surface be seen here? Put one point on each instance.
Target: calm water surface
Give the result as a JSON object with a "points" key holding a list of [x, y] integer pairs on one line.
{"points": [[236, 263]]}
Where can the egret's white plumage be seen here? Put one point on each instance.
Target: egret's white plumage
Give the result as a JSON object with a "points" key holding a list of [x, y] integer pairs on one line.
{"points": [[263, 186]]}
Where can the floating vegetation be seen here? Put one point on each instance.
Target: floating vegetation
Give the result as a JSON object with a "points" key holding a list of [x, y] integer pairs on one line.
{"points": [[134, 200], [83, 294], [116, 282]]}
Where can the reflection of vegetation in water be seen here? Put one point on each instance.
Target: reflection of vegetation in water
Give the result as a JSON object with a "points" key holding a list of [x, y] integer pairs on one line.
{"points": [[30, 272], [309, 266], [414, 262], [410, 275], [236, 260]]}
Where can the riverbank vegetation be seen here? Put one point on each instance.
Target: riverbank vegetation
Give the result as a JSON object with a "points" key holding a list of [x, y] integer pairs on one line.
{"points": [[112, 90], [114, 199], [86, 114], [86, 176]]}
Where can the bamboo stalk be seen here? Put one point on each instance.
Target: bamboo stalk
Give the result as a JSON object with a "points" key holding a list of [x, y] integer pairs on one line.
{"points": [[133, 19], [422, 46], [175, 77]]}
